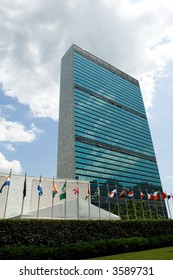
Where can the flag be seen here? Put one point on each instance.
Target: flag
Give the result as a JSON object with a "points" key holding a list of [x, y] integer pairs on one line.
{"points": [[141, 194], [112, 193], [163, 195], [150, 196], [76, 190], [156, 196], [55, 189], [39, 188], [24, 188], [63, 192], [96, 195], [88, 193], [6, 183], [130, 195], [122, 194]]}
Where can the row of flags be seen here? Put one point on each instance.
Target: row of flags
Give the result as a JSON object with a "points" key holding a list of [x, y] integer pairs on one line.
{"points": [[130, 194], [125, 193], [155, 195], [40, 190], [55, 190]]}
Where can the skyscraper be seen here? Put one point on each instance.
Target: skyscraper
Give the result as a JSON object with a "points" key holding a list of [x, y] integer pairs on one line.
{"points": [[104, 134]]}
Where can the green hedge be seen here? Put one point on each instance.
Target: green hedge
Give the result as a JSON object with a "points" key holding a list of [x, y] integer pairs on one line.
{"points": [[85, 250], [60, 232]]}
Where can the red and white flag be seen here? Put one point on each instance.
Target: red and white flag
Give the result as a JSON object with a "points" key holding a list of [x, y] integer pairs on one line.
{"points": [[163, 195], [141, 195], [156, 196], [150, 196], [76, 190]]}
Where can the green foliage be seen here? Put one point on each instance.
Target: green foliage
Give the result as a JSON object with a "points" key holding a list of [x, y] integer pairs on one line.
{"points": [[60, 232], [137, 210], [85, 250]]}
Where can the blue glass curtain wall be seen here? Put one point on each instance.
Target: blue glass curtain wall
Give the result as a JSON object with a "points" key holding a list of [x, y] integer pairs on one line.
{"points": [[113, 145], [106, 83]]}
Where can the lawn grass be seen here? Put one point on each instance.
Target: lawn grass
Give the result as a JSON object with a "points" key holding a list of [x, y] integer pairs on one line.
{"points": [[165, 253]]}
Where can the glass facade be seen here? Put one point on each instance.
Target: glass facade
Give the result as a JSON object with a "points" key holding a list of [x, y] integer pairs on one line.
{"points": [[112, 141]]}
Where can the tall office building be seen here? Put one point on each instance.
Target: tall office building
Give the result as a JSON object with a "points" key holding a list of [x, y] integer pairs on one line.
{"points": [[104, 135]]}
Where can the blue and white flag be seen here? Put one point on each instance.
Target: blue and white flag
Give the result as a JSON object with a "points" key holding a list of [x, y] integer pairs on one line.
{"points": [[39, 188]]}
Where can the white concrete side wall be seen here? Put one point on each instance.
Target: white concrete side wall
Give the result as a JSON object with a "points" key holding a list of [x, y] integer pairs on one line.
{"points": [[15, 196]]}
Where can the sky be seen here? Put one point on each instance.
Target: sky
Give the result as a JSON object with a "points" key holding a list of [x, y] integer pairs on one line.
{"points": [[135, 36]]}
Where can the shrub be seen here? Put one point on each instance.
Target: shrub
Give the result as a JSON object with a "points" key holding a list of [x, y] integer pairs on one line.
{"points": [[85, 250], [61, 232]]}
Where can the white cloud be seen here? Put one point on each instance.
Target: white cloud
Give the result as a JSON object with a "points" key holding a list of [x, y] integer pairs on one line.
{"points": [[169, 177], [134, 36], [147, 83], [7, 165], [10, 147], [36, 129], [16, 132], [9, 107]]}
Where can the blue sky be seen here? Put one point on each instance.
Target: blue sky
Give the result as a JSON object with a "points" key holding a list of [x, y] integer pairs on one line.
{"points": [[35, 147], [134, 36]]}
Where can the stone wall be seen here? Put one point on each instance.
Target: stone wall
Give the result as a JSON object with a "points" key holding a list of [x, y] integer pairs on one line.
{"points": [[15, 196]]}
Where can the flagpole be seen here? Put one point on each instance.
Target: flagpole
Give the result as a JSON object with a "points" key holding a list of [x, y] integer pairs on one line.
{"points": [[98, 189], [162, 204], [89, 201], [142, 204], [155, 203], [77, 201], [24, 194], [134, 204], [108, 201], [65, 206], [52, 200], [126, 204], [149, 204], [117, 201], [5, 209], [38, 207], [170, 211], [168, 206]]}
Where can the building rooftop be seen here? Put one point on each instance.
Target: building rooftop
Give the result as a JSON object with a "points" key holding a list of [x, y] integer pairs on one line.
{"points": [[105, 65]]}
